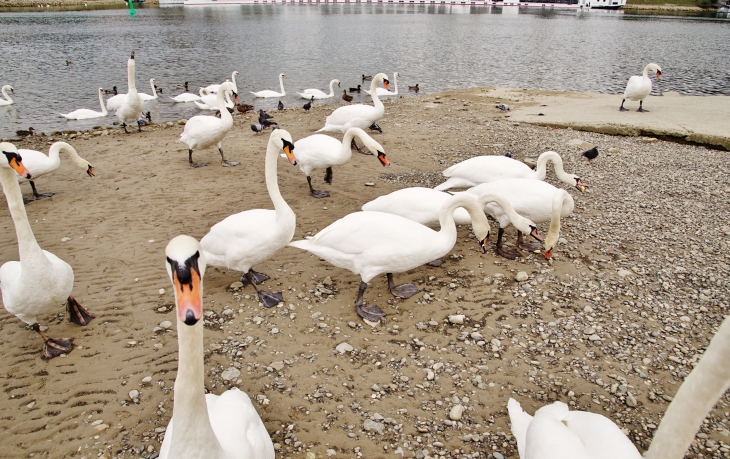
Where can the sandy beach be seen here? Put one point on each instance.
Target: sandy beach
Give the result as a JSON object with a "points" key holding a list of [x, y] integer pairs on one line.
{"points": [[637, 287]]}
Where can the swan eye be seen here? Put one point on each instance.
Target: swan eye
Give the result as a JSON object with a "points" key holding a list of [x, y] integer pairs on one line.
{"points": [[12, 155]]}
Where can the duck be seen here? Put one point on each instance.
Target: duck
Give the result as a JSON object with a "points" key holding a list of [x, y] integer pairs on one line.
{"points": [[87, 114], [113, 90], [6, 100], [131, 107], [38, 164], [534, 199], [373, 243], [40, 281], [146, 97], [213, 88], [484, 169], [209, 100], [347, 98], [224, 426], [358, 89], [308, 105], [24, 133], [243, 108], [270, 93], [638, 87], [555, 432], [414, 88], [250, 237], [203, 131], [320, 151], [382, 92], [317, 94], [366, 77]]}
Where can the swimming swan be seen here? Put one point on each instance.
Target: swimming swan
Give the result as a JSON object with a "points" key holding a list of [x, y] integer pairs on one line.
{"points": [[638, 87], [224, 426], [85, 113], [317, 94], [209, 100], [145, 97], [253, 236], [131, 107], [213, 88], [188, 97], [270, 93], [6, 100], [38, 164], [382, 92]]}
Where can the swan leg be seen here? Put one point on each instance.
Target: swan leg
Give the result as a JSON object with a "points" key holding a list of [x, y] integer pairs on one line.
{"points": [[76, 313], [224, 161], [268, 297], [139, 126], [621, 108], [401, 291], [507, 252], [190, 160], [53, 347], [369, 312], [528, 247], [257, 277], [641, 109], [328, 176], [436, 263], [316, 193], [124, 126], [36, 195]]}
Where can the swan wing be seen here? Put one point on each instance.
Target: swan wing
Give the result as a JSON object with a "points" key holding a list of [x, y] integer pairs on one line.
{"points": [[238, 427], [530, 198], [600, 436], [483, 169], [267, 93], [115, 102], [186, 97], [37, 163], [519, 421], [637, 88], [203, 131], [83, 114], [421, 205], [318, 94], [549, 438], [317, 151]]}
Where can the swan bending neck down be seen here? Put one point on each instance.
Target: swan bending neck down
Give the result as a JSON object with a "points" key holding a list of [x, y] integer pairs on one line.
{"points": [[6, 100], [373, 243], [38, 164], [204, 426]]}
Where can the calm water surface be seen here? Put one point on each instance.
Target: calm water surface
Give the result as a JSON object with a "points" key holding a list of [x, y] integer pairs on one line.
{"points": [[439, 47]]}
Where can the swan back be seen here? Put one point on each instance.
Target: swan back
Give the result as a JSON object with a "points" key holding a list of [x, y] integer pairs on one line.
{"points": [[357, 115]]}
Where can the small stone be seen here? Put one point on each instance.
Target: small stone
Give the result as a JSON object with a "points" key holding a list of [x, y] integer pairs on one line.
{"points": [[147, 379], [236, 285], [344, 347], [30, 405], [101, 427], [65, 239], [457, 319], [521, 276], [134, 394], [230, 373], [594, 338], [497, 455], [649, 140], [278, 366], [624, 272], [369, 184], [631, 401], [166, 324], [372, 426], [589, 331], [456, 412], [161, 291], [331, 452]]}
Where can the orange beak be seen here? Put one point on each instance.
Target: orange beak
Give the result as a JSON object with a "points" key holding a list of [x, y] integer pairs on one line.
{"points": [[534, 234], [16, 164], [581, 185], [383, 159], [659, 75], [483, 244], [288, 150], [90, 171], [547, 253], [187, 298], [386, 83]]}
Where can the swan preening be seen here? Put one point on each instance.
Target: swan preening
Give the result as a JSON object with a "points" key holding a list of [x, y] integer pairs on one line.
{"points": [[40, 282], [321, 151], [557, 433], [131, 107], [382, 92], [85, 113], [204, 131], [270, 93], [209, 426], [253, 236], [38, 164], [638, 87], [373, 243], [6, 100], [484, 169]]}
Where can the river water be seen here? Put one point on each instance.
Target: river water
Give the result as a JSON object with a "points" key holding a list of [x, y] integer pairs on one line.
{"points": [[438, 47]]}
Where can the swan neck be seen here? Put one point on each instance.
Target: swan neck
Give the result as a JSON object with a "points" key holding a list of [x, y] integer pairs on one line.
{"points": [[346, 150], [374, 94], [222, 98], [395, 82], [27, 245], [558, 198], [130, 76], [233, 78], [154, 90], [707, 382], [645, 75], [101, 102], [272, 182], [56, 149], [332, 88], [281, 85], [6, 95], [516, 219]]}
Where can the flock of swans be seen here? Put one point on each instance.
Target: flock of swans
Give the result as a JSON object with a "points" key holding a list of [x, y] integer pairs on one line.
{"points": [[391, 234]]}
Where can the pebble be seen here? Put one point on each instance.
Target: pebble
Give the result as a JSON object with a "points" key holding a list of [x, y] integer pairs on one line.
{"points": [[65, 239], [237, 284], [631, 401], [134, 394], [344, 347], [278, 366], [230, 374], [456, 412], [161, 291], [457, 319], [166, 324], [147, 379], [373, 426], [369, 184], [521, 276]]}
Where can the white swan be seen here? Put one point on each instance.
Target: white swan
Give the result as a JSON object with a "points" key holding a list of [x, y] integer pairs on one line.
{"points": [[145, 97], [557, 433], [252, 236], [85, 113], [38, 164], [213, 88], [358, 115], [131, 107], [270, 93], [6, 100], [537, 200], [209, 100], [373, 243], [317, 94], [40, 282], [382, 92], [203, 131], [321, 151], [188, 97], [484, 169], [638, 87], [209, 426]]}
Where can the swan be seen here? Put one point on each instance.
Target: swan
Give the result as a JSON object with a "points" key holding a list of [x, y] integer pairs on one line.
{"points": [[317, 94], [85, 113], [224, 426], [373, 243], [557, 433], [6, 100], [188, 97], [213, 88], [131, 107], [484, 169], [203, 131], [321, 151], [638, 87], [145, 97], [270, 93], [253, 236], [38, 164], [209, 100], [358, 115], [384, 92], [40, 282]]}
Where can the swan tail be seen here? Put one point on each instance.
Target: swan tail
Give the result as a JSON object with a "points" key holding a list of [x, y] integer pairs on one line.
{"points": [[520, 421], [301, 244], [454, 182]]}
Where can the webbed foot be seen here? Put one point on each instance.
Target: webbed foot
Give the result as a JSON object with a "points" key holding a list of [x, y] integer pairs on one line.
{"points": [[320, 194], [76, 313], [509, 252], [270, 298], [53, 347], [197, 164], [370, 312], [226, 163], [43, 196], [532, 247], [404, 290], [257, 277]]}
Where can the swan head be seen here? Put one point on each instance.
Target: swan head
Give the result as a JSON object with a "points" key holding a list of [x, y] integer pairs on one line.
{"points": [[11, 158], [550, 242], [580, 185], [282, 139], [132, 56], [384, 78], [655, 68], [281, 75], [372, 145], [186, 268]]}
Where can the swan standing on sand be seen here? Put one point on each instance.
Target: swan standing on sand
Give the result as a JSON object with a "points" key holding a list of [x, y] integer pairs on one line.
{"points": [[85, 113], [382, 92], [213, 88], [557, 433], [484, 169], [40, 282], [145, 97], [317, 94], [209, 426], [131, 107], [638, 87], [6, 100], [253, 236], [321, 151], [373, 243], [270, 93], [203, 131], [38, 164]]}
